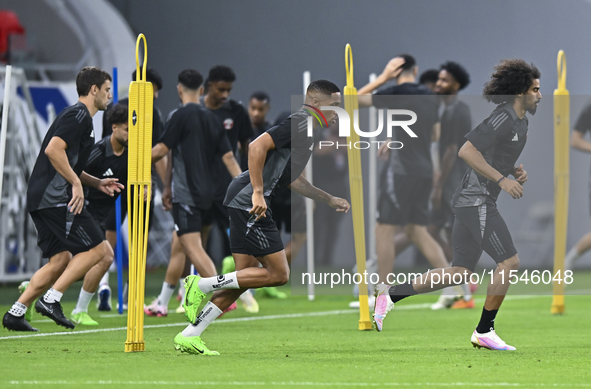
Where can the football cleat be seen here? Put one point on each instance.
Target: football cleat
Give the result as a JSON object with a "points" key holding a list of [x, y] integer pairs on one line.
{"points": [[463, 304], [54, 312], [192, 345], [17, 323], [193, 297], [83, 319], [156, 310], [490, 340], [104, 298], [383, 305]]}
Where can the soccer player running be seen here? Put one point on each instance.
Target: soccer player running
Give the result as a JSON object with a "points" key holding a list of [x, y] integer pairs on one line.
{"points": [[196, 142], [491, 150], [276, 160], [108, 159], [455, 124], [578, 142], [67, 233], [407, 178]]}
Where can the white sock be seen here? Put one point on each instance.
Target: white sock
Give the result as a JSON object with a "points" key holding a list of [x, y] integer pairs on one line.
{"points": [[467, 294], [224, 281], [83, 301], [165, 294], [52, 296], [105, 279], [18, 309], [570, 258], [209, 313]]}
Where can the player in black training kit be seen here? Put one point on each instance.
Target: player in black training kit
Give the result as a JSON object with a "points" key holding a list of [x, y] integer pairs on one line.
{"points": [[491, 151], [407, 177], [67, 233], [197, 143], [234, 119], [578, 142], [455, 124], [108, 159], [276, 160]]}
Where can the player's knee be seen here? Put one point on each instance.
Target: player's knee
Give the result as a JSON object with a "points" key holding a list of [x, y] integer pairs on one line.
{"points": [[512, 263], [100, 251], [281, 277]]}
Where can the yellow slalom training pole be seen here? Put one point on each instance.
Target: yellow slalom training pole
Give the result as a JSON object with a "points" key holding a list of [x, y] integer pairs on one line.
{"points": [[139, 187], [561, 180], [356, 184]]}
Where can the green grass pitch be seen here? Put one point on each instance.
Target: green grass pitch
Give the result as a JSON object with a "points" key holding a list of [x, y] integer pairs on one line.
{"points": [[297, 343]]}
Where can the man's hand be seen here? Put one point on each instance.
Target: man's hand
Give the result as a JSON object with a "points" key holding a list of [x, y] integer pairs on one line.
{"points": [[259, 205], [520, 174], [109, 186], [436, 197], [167, 198], [77, 203], [393, 68], [512, 187], [341, 205]]}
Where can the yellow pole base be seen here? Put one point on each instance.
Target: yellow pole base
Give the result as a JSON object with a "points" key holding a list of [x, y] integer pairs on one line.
{"points": [[557, 307], [365, 325], [131, 347]]}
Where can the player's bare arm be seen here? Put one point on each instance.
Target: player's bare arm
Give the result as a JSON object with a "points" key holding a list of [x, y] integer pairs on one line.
{"points": [[476, 161], [257, 153], [158, 152], [167, 191], [56, 152], [578, 142], [447, 163], [304, 188], [231, 164], [391, 71]]}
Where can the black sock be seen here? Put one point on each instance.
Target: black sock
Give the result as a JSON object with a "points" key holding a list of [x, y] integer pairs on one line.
{"points": [[487, 321], [398, 292]]}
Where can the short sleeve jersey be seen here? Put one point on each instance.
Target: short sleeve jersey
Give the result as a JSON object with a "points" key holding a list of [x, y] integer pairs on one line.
{"points": [[197, 143], [283, 165], [103, 163], [414, 158], [47, 188], [233, 118], [501, 139], [455, 124]]}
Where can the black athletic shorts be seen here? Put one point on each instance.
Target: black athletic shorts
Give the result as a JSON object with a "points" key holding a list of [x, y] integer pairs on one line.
{"points": [[407, 203], [60, 230], [291, 215], [478, 229], [188, 219], [218, 213], [258, 238]]}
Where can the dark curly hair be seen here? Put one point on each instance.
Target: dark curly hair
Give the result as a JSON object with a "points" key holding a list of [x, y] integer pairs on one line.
{"points": [[458, 72], [510, 78]]}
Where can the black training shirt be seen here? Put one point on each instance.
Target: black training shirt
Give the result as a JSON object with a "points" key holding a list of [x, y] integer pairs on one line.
{"points": [[414, 158], [501, 139], [197, 143], [47, 188], [103, 163], [233, 118], [283, 165]]}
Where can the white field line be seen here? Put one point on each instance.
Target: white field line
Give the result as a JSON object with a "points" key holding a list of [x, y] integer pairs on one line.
{"points": [[240, 319], [304, 383]]}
